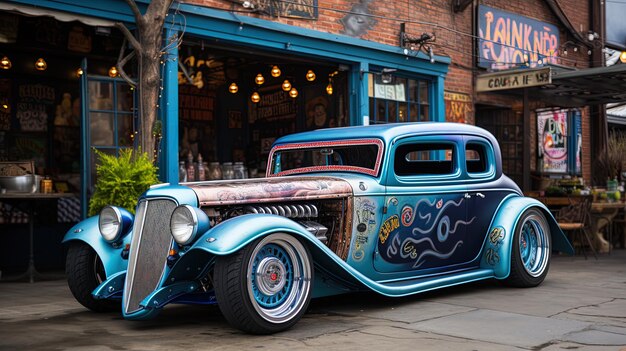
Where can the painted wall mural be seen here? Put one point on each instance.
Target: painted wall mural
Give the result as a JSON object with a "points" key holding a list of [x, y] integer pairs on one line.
{"points": [[428, 231], [508, 40], [358, 21]]}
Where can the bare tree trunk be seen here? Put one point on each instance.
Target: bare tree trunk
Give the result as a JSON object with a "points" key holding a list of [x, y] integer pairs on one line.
{"points": [[148, 46]]}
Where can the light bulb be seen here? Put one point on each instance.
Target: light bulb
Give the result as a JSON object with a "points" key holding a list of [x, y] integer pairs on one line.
{"points": [[5, 63], [293, 93], [275, 72], [233, 88], [41, 64], [79, 72], [329, 88], [255, 97], [310, 76], [622, 57], [113, 72], [286, 85], [259, 79]]}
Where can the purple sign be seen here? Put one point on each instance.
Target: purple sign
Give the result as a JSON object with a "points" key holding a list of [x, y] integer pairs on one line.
{"points": [[508, 40]]}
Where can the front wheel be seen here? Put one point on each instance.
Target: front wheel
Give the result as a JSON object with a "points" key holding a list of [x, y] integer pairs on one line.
{"points": [[530, 256], [265, 287], [85, 271]]}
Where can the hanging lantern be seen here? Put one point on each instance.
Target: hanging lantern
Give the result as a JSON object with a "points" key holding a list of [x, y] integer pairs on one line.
{"points": [[310, 75], [259, 79], [41, 64], [329, 87], [79, 72], [233, 88], [286, 85], [255, 97], [275, 71], [293, 93], [5, 63], [113, 72]]}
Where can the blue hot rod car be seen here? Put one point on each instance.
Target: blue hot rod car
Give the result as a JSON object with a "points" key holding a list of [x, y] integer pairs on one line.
{"points": [[398, 209]]}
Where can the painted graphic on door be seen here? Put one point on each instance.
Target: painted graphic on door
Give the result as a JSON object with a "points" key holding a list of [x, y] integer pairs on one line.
{"points": [[427, 232]]}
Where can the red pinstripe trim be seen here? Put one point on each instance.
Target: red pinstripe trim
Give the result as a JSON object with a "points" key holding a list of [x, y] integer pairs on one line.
{"points": [[316, 144]]}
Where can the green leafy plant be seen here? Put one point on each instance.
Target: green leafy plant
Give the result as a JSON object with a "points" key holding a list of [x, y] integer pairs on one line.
{"points": [[120, 180]]}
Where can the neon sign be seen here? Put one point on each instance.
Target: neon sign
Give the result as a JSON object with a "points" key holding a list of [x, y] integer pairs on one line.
{"points": [[508, 40]]}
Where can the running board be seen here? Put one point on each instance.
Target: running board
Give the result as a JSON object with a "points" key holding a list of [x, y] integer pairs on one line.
{"points": [[413, 286]]}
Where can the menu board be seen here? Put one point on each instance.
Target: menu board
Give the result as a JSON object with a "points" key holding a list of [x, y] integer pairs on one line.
{"points": [[33, 103]]}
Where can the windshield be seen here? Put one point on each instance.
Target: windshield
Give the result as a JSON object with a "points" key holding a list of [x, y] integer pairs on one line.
{"points": [[362, 156]]}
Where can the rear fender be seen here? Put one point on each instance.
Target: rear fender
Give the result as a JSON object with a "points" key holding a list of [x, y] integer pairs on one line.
{"points": [[88, 232], [496, 252]]}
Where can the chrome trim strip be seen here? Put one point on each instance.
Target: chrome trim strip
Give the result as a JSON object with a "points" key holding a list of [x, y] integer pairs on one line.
{"points": [[134, 249]]}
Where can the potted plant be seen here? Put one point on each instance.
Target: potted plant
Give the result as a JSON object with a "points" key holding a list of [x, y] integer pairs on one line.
{"points": [[121, 180]]}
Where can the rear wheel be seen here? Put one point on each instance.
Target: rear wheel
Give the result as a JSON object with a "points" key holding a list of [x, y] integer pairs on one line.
{"points": [[530, 256], [265, 287], [85, 271]]}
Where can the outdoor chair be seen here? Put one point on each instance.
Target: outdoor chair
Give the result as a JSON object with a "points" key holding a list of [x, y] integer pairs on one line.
{"points": [[575, 218]]}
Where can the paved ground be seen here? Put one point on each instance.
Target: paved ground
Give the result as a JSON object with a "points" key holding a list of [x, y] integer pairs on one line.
{"points": [[581, 306]]}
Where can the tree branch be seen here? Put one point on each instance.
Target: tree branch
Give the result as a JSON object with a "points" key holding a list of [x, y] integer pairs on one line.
{"points": [[130, 37], [121, 62], [135, 9]]}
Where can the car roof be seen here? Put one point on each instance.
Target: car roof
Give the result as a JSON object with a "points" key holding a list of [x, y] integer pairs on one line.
{"points": [[386, 132]]}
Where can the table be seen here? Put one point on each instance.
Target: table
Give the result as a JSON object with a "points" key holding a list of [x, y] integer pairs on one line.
{"points": [[28, 202], [602, 213]]}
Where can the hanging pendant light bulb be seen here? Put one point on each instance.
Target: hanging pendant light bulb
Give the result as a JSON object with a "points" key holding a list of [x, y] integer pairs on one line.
{"points": [[622, 57], [259, 79], [41, 64], [329, 87], [233, 88], [275, 72], [113, 72], [310, 75], [255, 97], [79, 71], [5, 63], [293, 93], [286, 85]]}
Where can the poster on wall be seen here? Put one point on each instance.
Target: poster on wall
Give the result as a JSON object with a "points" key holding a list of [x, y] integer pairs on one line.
{"points": [[552, 140], [459, 107]]}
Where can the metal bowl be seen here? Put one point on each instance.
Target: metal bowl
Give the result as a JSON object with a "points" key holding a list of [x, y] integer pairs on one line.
{"points": [[20, 184]]}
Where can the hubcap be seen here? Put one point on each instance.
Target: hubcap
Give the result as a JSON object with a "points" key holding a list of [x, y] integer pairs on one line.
{"points": [[270, 275], [534, 245]]}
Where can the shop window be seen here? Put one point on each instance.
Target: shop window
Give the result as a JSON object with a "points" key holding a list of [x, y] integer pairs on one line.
{"points": [[559, 137], [395, 99], [425, 159]]}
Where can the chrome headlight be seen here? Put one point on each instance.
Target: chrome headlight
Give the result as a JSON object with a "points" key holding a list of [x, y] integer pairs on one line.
{"points": [[114, 223], [186, 222]]}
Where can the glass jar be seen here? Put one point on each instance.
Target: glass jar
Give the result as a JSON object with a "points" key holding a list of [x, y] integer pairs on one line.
{"points": [[239, 171], [227, 170], [182, 172], [215, 172]]}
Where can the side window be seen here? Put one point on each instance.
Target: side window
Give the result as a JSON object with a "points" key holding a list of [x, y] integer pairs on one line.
{"points": [[476, 158], [425, 159]]}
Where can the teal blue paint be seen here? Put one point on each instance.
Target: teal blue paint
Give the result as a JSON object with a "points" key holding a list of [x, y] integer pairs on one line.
{"points": [[360, 103], [439, 113], [113, 285], [169, 103]]}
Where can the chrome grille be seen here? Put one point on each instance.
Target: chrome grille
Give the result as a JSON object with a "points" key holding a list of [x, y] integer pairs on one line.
{"points": [[148, 251]]}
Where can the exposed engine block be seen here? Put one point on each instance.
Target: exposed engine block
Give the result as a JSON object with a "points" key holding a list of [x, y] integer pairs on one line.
{"points": [[289, 211]]}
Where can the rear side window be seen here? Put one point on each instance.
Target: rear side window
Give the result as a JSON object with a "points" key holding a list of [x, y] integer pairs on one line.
{"points": [[425, 159], [476, 157]]}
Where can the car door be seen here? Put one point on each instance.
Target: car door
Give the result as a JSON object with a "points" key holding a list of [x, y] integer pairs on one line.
{"points": [[484, 194], [424, 216]]}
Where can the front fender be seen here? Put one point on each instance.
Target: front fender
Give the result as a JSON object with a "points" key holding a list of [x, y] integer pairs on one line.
{"points": [[496, 252], [87, 231]]}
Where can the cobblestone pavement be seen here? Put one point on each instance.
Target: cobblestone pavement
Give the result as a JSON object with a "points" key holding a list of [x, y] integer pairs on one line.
{"points": [[581, 305]]}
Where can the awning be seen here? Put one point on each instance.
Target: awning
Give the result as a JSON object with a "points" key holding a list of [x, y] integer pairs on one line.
{"points": [[569, 88], [591, 86], [60, 16]]}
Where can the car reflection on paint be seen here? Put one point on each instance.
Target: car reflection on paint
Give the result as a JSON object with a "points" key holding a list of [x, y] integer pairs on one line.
{"points": [[396, 209]]}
